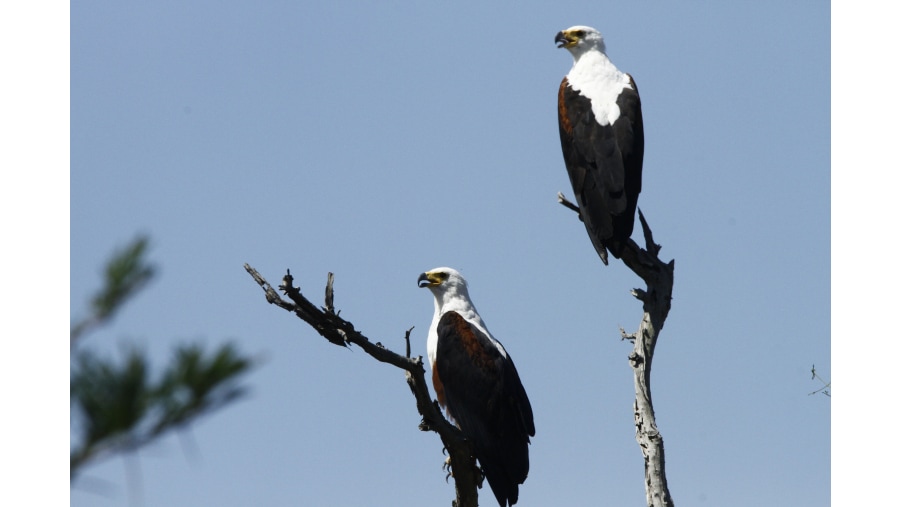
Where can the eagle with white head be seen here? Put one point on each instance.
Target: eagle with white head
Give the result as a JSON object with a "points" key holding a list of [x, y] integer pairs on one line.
{"points": [[477, 384], [601, 130]]}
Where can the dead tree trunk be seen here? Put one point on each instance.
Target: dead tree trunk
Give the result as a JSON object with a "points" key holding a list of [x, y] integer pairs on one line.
{"points": [[328, 323], [657, 300]]}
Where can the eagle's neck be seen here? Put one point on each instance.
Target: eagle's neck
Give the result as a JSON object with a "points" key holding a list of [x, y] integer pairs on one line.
{"points": [[454, 299]]}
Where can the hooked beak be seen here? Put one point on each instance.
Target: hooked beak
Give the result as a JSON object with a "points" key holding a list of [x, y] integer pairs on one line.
{"points": [[564, 41]]}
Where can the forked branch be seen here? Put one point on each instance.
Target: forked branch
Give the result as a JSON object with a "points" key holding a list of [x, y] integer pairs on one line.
{"points": [[328, 323], [657, 300]]}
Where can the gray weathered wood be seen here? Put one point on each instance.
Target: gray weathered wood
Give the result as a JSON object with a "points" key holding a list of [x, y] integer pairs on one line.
{"points": [[657, 300]]}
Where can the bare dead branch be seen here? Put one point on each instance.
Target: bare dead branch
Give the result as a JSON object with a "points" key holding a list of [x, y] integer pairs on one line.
{"points": [[329, 324], [657, 300], [406, 337], [329, 295], [569, 204]]}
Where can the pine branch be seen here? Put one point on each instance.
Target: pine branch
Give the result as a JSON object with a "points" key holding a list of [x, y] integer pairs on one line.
{"points": [[126, 273], [118, 407]]}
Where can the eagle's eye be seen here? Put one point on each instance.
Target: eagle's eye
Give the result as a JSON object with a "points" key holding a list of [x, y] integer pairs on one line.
{"points": [[578, 33]]}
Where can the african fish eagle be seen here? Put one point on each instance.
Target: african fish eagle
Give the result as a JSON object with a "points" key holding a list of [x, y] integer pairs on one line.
{"points": [[602, 136], [477, 384]]}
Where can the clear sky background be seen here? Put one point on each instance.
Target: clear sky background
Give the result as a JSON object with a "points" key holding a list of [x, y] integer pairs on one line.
{"points": [[380, 140]]}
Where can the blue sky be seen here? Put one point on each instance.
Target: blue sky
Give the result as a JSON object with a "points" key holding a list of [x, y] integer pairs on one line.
{"points": [[378, 141]]}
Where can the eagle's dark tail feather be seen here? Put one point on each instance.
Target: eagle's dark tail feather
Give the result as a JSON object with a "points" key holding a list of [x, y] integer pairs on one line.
{"points": [[505, 490], [603, 256], [505, 472], [623, 227], [600, 247], [615, 247]]}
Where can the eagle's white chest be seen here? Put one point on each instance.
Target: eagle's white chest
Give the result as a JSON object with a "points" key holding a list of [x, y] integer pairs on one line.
{"points": [[595, 77], [431, 342]]}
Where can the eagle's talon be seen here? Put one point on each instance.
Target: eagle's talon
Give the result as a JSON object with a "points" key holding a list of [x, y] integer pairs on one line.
{"points": [[447, 468]]}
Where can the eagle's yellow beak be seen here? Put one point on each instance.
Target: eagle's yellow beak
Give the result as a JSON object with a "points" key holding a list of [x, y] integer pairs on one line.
{"points": [[433, 278], [428, 280], [564, 39]]}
